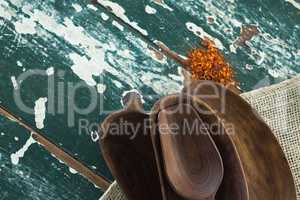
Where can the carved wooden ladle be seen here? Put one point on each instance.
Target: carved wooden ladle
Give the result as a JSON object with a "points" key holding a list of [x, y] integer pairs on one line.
{"points": [[192, 161]]}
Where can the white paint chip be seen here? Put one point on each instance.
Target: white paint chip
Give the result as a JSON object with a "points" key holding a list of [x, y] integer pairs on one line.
{"points": [[101, 88], [163, 4], [236, 23], [161, 85], [19, 63], [16, 138], [25, 26], [294, 3], [276, 73], [197, 30], [86, 69], [117, 83], [72, 171], [249, 67], [104, 16], [119, 11], [27, 9], [40, 112], [14, 82], [150, 10], [15, 157], [5, 11], [77, 7], [50, 71], [126, 53], [84, 66], [118, 25], [92, 7], [232, 48], [95, 136]]}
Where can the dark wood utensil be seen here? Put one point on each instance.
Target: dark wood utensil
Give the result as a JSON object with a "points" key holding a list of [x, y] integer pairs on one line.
{"points": [[266, 169], [192, 161], [127, 149], [99, 180], [234, 183]]}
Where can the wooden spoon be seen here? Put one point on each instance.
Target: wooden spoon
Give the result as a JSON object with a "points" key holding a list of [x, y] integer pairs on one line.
{"points": [[127, 149], [192, 161]]}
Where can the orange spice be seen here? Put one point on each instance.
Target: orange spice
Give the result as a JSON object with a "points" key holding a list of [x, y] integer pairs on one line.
{"points": [[209, 64]]}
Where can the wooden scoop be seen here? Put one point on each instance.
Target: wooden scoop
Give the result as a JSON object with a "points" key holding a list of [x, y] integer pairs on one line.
{"points": [[192, 161], [266, 170], [234, 186], [127, 149]]}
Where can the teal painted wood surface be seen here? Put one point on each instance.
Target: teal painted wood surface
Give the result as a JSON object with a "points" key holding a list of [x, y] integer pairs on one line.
{"points": [[272, 56], [38, 174], [76, 44], [58, 39]]}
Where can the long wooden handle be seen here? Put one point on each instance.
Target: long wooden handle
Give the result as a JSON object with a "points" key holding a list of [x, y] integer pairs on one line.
{"points": [[98, 180], [158, 46]]}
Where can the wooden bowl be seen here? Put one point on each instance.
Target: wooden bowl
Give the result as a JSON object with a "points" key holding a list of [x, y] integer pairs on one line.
{"points": [[267, 173], [234, 186]]}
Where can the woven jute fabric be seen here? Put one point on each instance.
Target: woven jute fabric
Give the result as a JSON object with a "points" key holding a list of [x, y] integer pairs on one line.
{"points": [[279, 106], [113, 193]]}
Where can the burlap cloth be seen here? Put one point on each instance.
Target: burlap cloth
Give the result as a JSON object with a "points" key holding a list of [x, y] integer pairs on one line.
{"points": [[279, 105]]}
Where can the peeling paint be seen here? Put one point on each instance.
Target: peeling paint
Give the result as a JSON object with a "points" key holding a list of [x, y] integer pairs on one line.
{"points": [[50, 71], [120, 12], [197, 30], [15, 157], [101, 88], [14, 82], [40, 112], [25, 26], [77, 7], [163, 4], [150, 10], [104, 16], [118, 25], [294, 3]]}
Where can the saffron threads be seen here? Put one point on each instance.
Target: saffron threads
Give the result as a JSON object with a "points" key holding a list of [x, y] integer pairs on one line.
{"points": [[205, 64], [209, 64]]}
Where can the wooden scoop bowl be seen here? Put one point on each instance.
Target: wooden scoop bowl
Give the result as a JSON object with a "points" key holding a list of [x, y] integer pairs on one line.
{"points": [[127, 149], [192, 161], [233, 186], [267, 173]]}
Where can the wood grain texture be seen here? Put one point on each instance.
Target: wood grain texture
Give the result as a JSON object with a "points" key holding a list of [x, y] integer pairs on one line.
{"points": [[130, 156], [192, 161], [267, 172], [234, 185]]}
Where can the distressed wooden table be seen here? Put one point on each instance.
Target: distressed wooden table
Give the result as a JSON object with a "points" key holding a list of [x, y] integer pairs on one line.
{"points": [[65, 65]]}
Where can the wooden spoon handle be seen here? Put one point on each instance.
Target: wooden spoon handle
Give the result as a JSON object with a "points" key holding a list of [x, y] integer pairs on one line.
{"points": [[133, 101], [98, 180]]}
